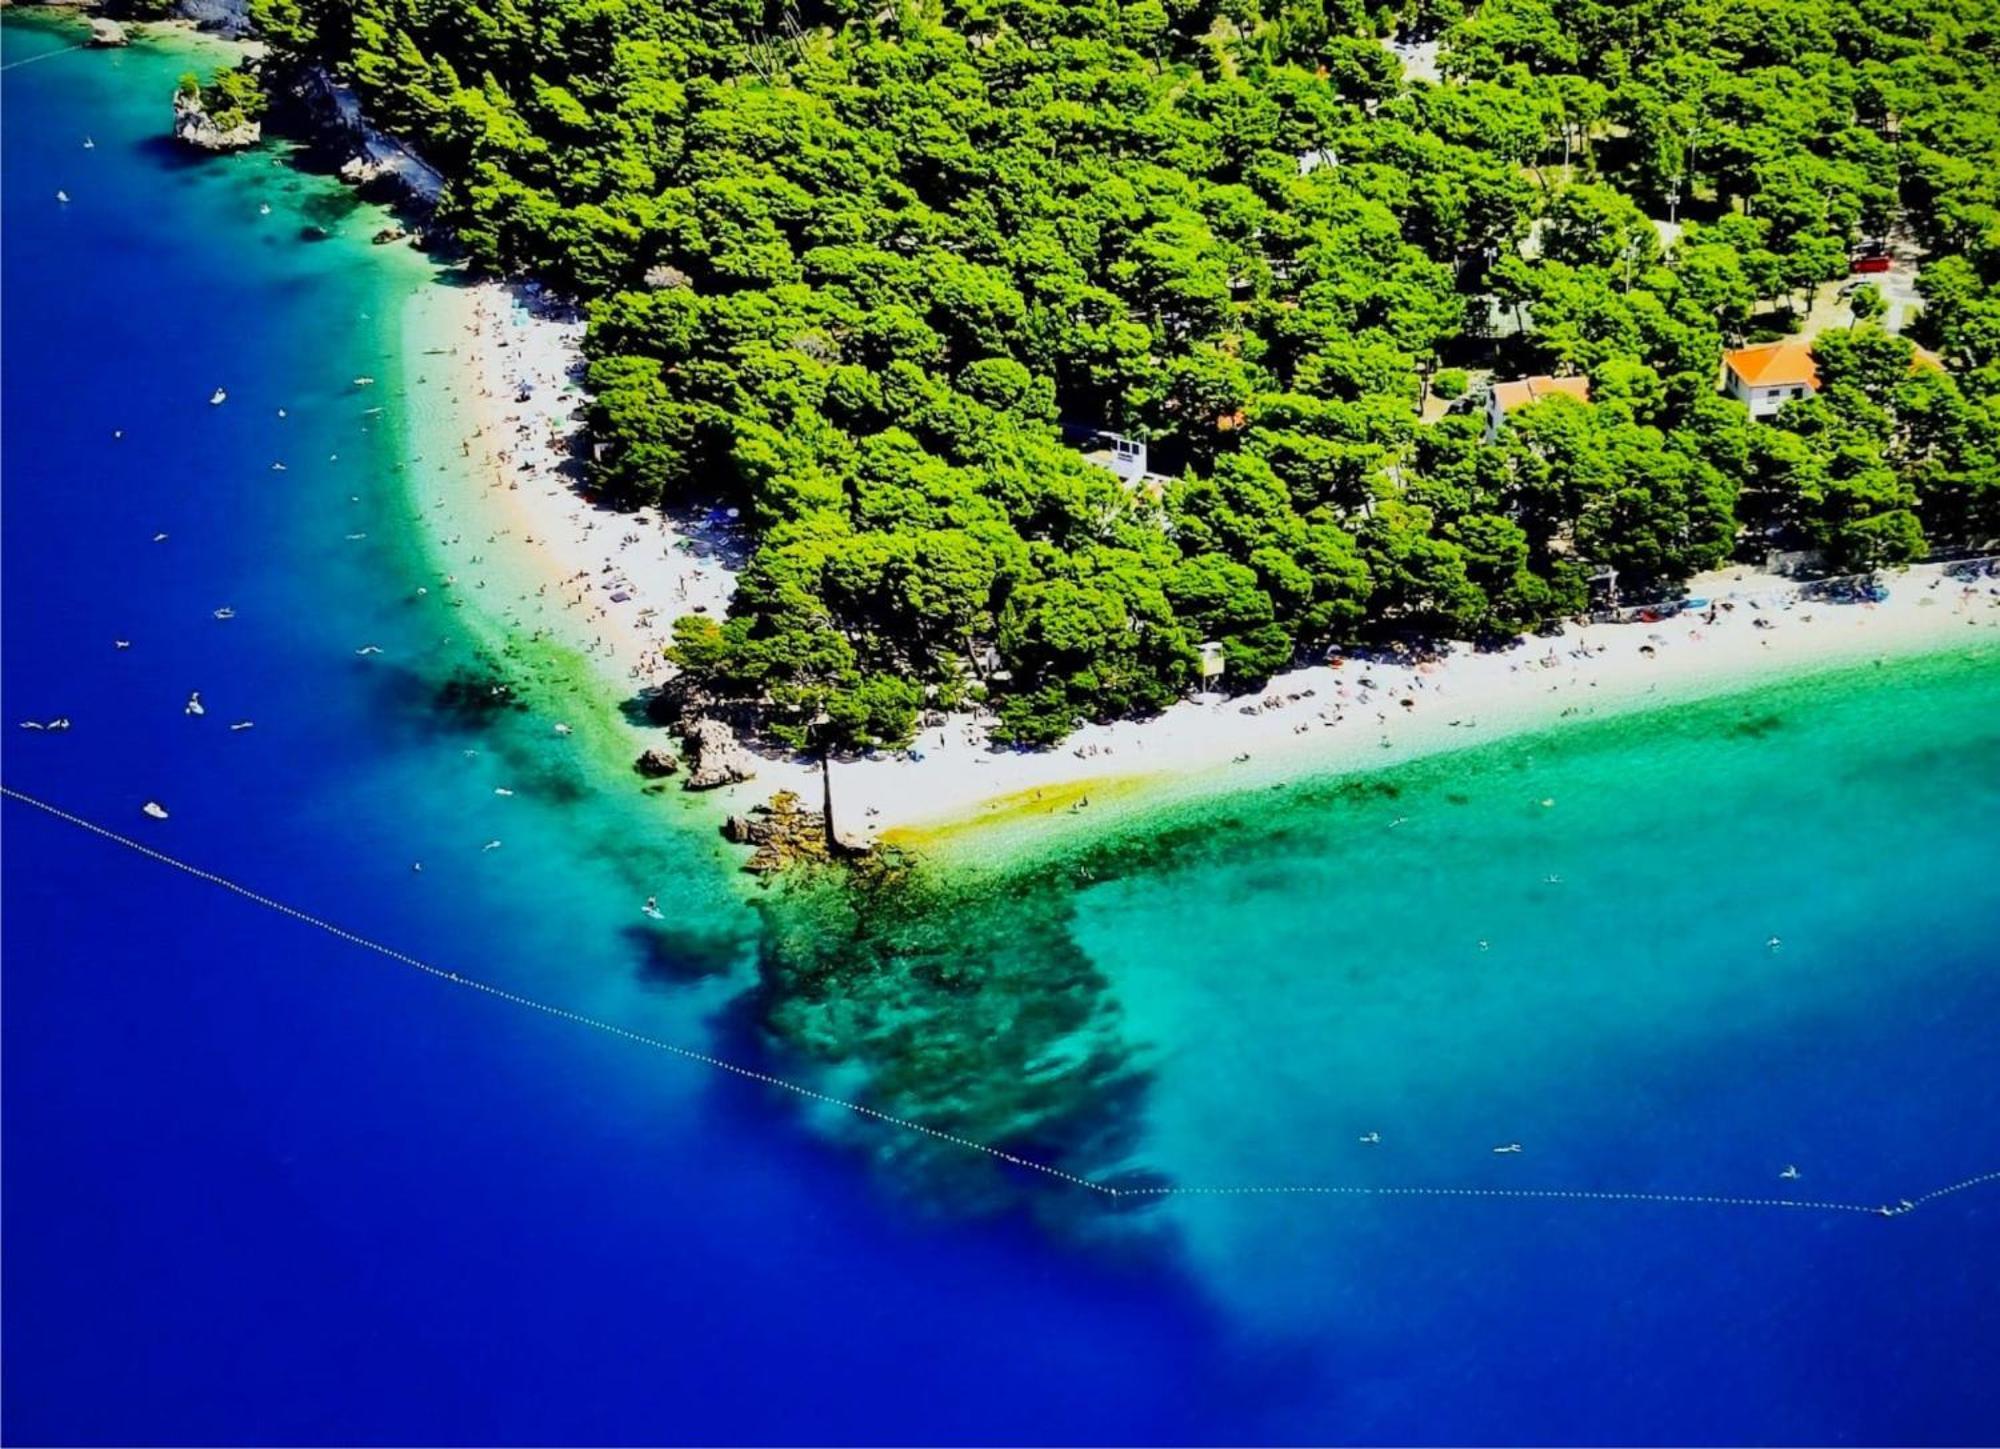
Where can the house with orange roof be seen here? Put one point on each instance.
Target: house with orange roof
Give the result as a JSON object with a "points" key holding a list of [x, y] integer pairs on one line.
{"points": [[1766, 377], [1507, 397]]}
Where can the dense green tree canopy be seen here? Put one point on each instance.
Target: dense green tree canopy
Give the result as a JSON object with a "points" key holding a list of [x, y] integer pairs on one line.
{"points": [[853, 268]]}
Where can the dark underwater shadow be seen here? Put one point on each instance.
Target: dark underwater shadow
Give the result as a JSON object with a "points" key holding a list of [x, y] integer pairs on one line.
{"points": [[931, 1180], [964, 1010], [674, 956]]}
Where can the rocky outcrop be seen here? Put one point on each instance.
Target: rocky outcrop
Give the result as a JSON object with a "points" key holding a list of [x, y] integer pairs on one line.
{"points": [[657, 763], [230, 17], [195, 126], [377, 163], [783, 832], [107, 34], [715, 757]]}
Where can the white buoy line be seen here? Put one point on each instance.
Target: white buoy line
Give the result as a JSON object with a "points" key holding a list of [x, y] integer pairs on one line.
{"points": [[1899, 1208]]}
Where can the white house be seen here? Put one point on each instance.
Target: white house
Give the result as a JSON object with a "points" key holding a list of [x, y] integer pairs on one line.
{"points": [[1766, 377], [1522, 391]]}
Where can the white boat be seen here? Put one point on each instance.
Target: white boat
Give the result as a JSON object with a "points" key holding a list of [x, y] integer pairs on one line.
{"points": [[217, 398], [194, 704], [62, 196], [1510, 1147], [225, 612], [364, 382], [155, 809], [243, 724]]}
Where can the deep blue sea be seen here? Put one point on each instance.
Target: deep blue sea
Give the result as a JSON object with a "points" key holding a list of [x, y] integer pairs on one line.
{"points": [[261, 1185]]}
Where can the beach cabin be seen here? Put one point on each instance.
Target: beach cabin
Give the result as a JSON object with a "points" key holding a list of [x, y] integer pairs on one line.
{"points": [[1127, 458], [1212, 661], [1766, 377], [1507, 397]]}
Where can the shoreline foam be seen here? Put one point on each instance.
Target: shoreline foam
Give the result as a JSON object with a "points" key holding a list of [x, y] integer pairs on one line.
{"points": [[552, 562]]}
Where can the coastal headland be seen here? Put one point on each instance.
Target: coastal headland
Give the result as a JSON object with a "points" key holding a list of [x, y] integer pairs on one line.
{"points": [[493, 393], [552, 561]]}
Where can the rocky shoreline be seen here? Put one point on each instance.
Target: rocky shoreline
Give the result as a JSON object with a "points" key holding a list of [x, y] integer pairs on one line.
{"points": [[195, 126]]}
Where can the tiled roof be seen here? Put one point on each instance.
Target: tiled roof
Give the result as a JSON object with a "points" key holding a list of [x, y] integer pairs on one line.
{"points": [[1775, 364], [1524, 390]]}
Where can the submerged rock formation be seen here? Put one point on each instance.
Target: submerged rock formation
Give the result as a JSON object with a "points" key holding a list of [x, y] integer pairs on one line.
{"points": [[784, 832], [715, 757], [196, 127], [961, 1002]]}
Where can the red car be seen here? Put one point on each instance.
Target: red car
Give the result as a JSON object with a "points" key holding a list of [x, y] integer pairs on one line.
{"points": [[1872, 264]]}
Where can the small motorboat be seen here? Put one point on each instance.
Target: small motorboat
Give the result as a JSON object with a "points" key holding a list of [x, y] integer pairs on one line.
{"points": [[225, 612], [194, 704], [364, 382], [1790, 1174], [155, 809], [1511, 1147], [244, 724], [217, 398]]}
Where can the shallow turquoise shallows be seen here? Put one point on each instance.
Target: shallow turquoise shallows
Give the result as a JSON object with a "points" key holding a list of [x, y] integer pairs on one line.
{"points": [[265, 1186]]}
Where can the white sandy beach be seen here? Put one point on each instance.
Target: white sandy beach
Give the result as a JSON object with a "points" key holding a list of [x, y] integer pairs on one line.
{"points": [[610, 584]]}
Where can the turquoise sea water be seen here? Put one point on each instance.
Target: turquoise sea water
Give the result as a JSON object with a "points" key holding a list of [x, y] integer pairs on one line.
{"points": [[262, 1186]]}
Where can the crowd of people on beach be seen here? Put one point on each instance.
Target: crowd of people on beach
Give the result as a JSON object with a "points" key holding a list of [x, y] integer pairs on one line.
{"points": [[638, 570]]}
